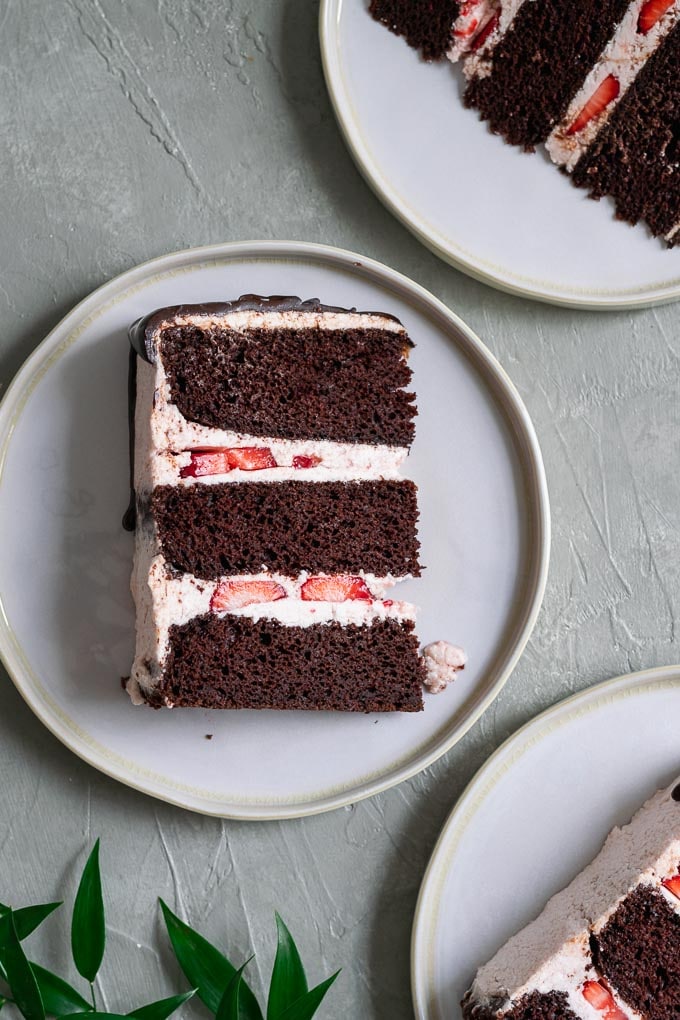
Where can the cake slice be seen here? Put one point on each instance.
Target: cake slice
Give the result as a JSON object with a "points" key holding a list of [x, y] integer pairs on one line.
{"points": [[270, 514], [608, 946]]}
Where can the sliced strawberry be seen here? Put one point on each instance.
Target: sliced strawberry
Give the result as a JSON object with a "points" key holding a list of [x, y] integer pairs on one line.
{"points": [[219, 461], [652, 12], [339, 588], [485, 33], [465, 31], [387, 603], [302, 461], [605, 93], [601, 999], [251, 458], [237, 594], [673, 885]]}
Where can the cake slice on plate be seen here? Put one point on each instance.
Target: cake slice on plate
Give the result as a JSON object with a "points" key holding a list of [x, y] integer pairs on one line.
{"points": [[608, 946], [271, 517]]}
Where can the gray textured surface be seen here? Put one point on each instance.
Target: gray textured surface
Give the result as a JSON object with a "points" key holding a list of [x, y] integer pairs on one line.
{"points": [[131, 128]]}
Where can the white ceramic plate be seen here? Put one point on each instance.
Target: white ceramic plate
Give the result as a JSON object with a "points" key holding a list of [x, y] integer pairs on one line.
{"points": [[66, 627], [504, 217], [532, 818]]}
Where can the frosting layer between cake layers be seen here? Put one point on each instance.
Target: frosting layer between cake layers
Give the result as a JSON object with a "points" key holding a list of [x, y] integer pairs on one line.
{"points": [[238, 533]]}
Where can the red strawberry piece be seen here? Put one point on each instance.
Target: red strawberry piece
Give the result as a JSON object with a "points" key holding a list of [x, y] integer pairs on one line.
{"points": [[601, 999], [485, 33], [237, 594], [467, 30], [339, 588], [652, 12], [206, 462], [387, 603], [605, 93], [219, 461], [673, 885], [251, 458], [302, 461]]}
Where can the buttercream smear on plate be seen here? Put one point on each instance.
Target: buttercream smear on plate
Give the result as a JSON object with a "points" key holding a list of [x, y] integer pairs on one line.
{"points": [[608, 946], [597, 83], [271, 517]]}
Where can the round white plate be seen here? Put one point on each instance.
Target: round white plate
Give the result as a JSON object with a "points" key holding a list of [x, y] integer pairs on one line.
{"points": [[505, 217], [67, 621], [532, 818]]}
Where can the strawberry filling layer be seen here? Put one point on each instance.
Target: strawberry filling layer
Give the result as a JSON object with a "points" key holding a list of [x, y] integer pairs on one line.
{"points": [[238, 594], [220, 461]]}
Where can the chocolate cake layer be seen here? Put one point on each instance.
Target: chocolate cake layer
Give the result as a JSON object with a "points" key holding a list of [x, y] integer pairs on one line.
{"points": [[288, 527], [235, 662], [539, 65], [339, 385], [424, 26], [636, 156], [534, 1006], [638, 952]]}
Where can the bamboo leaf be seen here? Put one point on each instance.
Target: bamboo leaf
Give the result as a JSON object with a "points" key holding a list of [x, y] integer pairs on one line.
{"points": [[206, 968], [289, 982], [306, 1007], [59, 998], [27, 919], [163, 1008], [230, 1003], [88, 927], [20, 977]]}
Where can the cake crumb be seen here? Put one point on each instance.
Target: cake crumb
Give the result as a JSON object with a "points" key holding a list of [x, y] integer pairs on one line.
{"points": [[443, 661], [208, 736]]}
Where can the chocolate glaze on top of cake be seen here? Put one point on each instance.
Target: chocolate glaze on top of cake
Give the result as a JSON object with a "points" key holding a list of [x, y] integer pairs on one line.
{"points": [[144, 332]]}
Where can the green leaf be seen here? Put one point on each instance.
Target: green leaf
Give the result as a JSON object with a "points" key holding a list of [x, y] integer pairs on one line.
{"points": [[92, 1015], [88, 927], [59, 998], [206, 968], [3, 1001], [20, 977], [288, 983], [27, 919], [306, 1007], [230, 1003], [162, 1009]]}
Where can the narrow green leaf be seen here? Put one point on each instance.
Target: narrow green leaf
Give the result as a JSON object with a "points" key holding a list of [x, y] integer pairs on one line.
{"points": [[306, 1007], [20, 977], [162, 1009], [288, 983], [101, 1016], [58, 997], [88, 927], [206, 968], [27, 919], [230, 1003]]}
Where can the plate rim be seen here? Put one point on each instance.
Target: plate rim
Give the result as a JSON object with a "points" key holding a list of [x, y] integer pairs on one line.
{"points": [[518, 423], [330, 12], [535, 729]]}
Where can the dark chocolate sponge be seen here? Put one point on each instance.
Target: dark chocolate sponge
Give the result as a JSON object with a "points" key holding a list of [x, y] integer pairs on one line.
{"points": [[234, 662], [341, 385], [426, 26], [325, 527], [638, 952]]}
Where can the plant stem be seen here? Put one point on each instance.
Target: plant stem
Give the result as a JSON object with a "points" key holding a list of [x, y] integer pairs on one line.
{"points": [[94, 998]]}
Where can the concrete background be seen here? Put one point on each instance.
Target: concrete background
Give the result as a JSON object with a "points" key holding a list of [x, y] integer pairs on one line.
{"points": [[134, 127]]}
